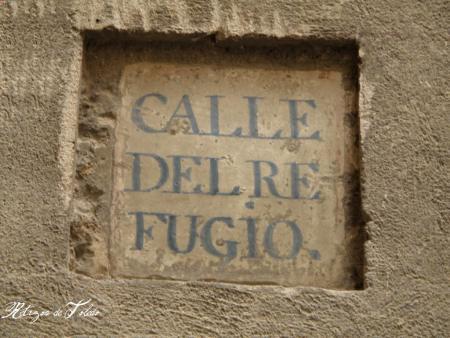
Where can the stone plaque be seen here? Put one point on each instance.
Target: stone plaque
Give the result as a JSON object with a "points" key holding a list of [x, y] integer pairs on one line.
{"points": [[232, 172]]}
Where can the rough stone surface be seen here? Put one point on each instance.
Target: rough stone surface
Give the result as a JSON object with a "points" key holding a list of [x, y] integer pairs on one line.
{"points": [[404, 144]]}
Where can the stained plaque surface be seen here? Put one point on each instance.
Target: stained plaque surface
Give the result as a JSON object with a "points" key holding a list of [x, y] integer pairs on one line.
{"points": [[233, 172]]}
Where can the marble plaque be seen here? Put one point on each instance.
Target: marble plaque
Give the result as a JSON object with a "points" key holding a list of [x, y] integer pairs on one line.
{"points": [[232, 173]]}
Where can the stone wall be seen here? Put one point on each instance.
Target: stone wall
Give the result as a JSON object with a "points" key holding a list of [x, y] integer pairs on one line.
{"points": [[403, 141]]}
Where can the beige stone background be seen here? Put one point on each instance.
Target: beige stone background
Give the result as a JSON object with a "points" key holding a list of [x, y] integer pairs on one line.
{"points": [[404, 141]]}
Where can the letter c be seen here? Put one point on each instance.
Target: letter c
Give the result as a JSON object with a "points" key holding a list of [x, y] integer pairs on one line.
{"points": [[136, 115]]}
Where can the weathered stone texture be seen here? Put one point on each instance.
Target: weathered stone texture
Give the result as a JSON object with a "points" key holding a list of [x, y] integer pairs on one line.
{"points": [[404, 144]]}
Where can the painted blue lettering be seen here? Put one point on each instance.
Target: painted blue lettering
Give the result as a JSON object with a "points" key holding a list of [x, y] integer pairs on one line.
{"points": [[207, 241], [136, 113], [136, 172], [214, 179], [172, 235], [251, 237], [297, 240], [258, 178], [140, 229], [253, 115], [294, 118], [178, 174], [189, 114]]}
